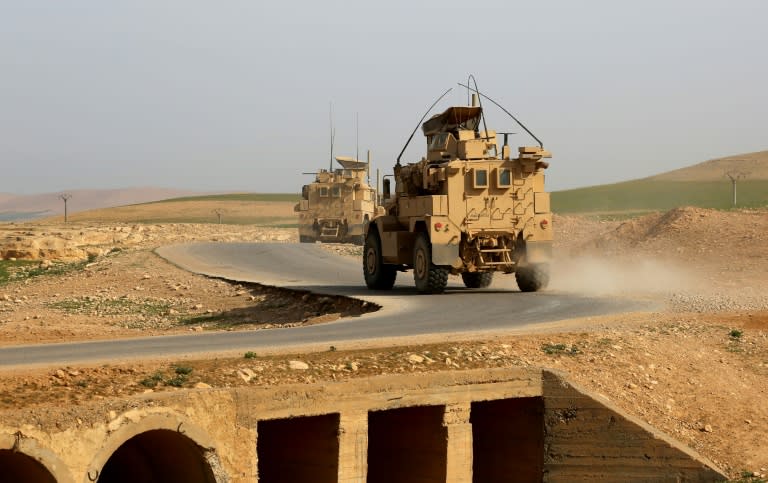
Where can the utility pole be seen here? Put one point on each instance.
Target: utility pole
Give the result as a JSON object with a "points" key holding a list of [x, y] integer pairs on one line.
{"points": [[65, 197], [735, 175]]}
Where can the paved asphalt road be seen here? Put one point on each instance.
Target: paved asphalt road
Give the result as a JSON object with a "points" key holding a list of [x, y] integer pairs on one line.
{"points": [[309, 267]]}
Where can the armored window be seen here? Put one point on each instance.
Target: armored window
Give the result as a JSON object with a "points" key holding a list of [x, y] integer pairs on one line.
{"points": [[336, 191], [347, 173], [481, 178], [505, 177], [324, 191], [305, 192], [438, 142]]}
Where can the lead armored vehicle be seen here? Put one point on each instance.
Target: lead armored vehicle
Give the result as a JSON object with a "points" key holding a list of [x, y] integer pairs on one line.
{"points": [[338, 205], [466, 208]]}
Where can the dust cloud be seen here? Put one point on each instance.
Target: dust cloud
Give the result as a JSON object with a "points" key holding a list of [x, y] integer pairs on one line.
{"points": [[591, 275]]}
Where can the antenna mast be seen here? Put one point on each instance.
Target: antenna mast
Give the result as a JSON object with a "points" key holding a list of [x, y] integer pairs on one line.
{"points": [[333, 135], [419, 124]]}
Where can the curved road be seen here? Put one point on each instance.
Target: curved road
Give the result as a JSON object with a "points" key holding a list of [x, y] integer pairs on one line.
{"points": [[306, 266]]}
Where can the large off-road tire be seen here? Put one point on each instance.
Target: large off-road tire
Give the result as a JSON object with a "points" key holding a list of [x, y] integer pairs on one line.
{"points": [[532, 278], [378, 275], [428, 277], [306, 239], [477, 279]]}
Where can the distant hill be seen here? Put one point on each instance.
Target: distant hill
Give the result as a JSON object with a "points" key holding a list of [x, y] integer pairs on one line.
{"points": [[21, 207], [753, 165], [703, 185], [265, 209]]}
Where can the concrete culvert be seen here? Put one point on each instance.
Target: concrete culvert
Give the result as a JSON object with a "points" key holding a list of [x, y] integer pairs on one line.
{"points": [[20, 468], [508, 440], [407, 445], [158, 456], [302, 449]]}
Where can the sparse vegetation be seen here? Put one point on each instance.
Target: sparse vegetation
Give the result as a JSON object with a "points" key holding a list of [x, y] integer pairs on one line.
{"points": [[749, 477], [153, 380], [734, 341], [558, 349], [18, 270], [180, 377], [91, 305], [250, 355], [182, 370]]}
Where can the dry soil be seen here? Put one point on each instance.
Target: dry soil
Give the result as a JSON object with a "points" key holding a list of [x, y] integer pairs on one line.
{"points": [[696, 369]]}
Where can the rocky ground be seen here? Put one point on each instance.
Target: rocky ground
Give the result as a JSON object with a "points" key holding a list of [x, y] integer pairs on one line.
{"points": [[696, 369]]}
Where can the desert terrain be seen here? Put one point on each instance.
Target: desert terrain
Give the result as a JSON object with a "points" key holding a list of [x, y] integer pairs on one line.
{"points": [[696, 368]]}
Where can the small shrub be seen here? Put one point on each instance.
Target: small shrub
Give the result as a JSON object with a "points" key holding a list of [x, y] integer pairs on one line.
{"points": [[250, 355], [148, 382], [181, 370], [735, 334], [152, 381], [177, 381], [750, 477], [553, 349]]}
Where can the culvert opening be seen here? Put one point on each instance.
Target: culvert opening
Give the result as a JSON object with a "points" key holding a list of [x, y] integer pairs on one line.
{"points": [[21, 468], [302, 449], [507, 440], [158, 456], [407, 445]]}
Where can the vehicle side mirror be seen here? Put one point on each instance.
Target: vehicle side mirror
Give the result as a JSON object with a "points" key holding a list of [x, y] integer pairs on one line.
{"points": [[386, 188]]}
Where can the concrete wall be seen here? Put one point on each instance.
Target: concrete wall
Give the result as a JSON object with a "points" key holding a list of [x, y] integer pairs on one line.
{"points": [[472, 426], [587, 440]]}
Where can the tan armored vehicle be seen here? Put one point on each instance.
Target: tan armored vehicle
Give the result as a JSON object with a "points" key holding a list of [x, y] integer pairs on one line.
{"points": [[465, 208], [338, 205]]}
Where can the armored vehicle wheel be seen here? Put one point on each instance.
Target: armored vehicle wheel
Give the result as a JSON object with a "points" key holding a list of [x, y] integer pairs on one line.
{"points": [[378, 275], [531, 278], [477, 279], [306, 239], [428, 277]]}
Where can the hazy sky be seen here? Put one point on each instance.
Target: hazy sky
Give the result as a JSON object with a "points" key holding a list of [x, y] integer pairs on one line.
{"points": [[235, 95]]}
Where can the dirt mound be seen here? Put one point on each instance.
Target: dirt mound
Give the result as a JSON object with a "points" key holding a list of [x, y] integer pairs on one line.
{"points": [[681, 230], [701, 260], [81, 241]]}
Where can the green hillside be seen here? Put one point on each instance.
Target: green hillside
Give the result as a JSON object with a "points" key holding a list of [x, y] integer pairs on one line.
{"points": [[645, 195], [238, 197]]}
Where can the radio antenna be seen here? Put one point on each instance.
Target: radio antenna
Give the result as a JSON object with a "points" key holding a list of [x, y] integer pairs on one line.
{"points": [[419, 124], [480, 94], [333, 134]]}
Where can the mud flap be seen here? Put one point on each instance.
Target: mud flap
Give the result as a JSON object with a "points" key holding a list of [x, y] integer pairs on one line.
{"points": [[443, 255], [538, 251]]}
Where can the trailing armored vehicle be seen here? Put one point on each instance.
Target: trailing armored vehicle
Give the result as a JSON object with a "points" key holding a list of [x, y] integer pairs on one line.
{"points": [[338, 205], [465, 208]]}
